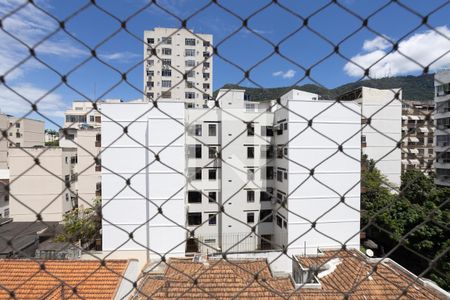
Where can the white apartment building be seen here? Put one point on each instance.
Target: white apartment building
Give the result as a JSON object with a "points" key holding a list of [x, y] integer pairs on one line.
{"points": [[250, 160], [418, 134], [41, 189], [87, 141], [171, 53], [442, 118], [25, 132], [379, 139], [83, 114]]}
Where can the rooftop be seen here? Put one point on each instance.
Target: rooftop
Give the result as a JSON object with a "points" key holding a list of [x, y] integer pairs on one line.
{"points": [[340, 273], [52, 279]]}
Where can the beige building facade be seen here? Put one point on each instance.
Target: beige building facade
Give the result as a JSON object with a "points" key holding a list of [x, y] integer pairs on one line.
{"points": [[41, 189], [88, 144], [417, 135], [25, 132]]}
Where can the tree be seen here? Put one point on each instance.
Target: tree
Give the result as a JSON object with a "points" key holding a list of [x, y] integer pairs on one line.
{"points": [[82, 225], [416, 218]]}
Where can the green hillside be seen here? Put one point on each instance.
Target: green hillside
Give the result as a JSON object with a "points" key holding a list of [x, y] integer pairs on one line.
{"points": [[414, 88]]}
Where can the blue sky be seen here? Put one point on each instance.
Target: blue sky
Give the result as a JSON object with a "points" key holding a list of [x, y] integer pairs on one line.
{"points": [[124, 51]]}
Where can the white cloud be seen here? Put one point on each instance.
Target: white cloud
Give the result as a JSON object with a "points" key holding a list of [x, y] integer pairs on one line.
{"points": [[286, 75], [51, 105], [423, 48], [120, 56], [30, 26]]}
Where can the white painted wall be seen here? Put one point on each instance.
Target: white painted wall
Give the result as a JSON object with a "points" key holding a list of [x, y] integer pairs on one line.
{"points": [[385, 130], [152, 184], [335, 174]]}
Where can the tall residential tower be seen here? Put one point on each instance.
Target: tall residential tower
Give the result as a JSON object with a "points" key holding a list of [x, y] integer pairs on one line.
{"points": [[178, 65]]}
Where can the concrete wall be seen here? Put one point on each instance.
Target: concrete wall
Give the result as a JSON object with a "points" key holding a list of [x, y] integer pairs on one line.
{"points": [[40, 189], [134, 207]]}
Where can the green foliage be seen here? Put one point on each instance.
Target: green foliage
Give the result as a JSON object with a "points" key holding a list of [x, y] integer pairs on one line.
{"points": [[414, 88], [82, 225], [416, 217], [52, 144]]}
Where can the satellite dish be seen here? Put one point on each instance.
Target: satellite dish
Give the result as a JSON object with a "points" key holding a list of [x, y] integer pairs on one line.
{"points": [[369, 253]]}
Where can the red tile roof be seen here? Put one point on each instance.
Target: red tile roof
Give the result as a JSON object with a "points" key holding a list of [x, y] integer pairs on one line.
{"points": [[356, 276], [218, 279], [222, 279], [60, 279]]}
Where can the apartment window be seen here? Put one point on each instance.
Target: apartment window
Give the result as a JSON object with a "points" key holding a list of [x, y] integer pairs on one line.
{"points": [[189, 95], [189, 63], [17, 145], [18, 135], [150, 62], [166, 95], [280, 129], [205, 75], [285, 175], [189, 52], [250, 129], [206, 64], [166, 51], [206, 86], [150, 73], [269, 173], [198, 129], [212, 196], [279, 175], [279, 221], [190, 74], [212, 150], [166, 62], [251, 152], [194, 219], [189, 42], [67, 160], [91, 119], [250, 218], [67, 197], [264, 196], [206, 97], [212, 219], [267, 151], [285, 126], [166, 83], [280, 198], [150, 95], [430, 140], [212, 129], [250, 196], [150, 84], [284, 223], [212, 174], [206, 43], [167, 40], [166, 72], [195, 173], [266, 216], [250, 174], [279, 151], [194, 197], [190, 84], [17, 125], [195, 151], [150, 40], [266, 131], [363, 141]]}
